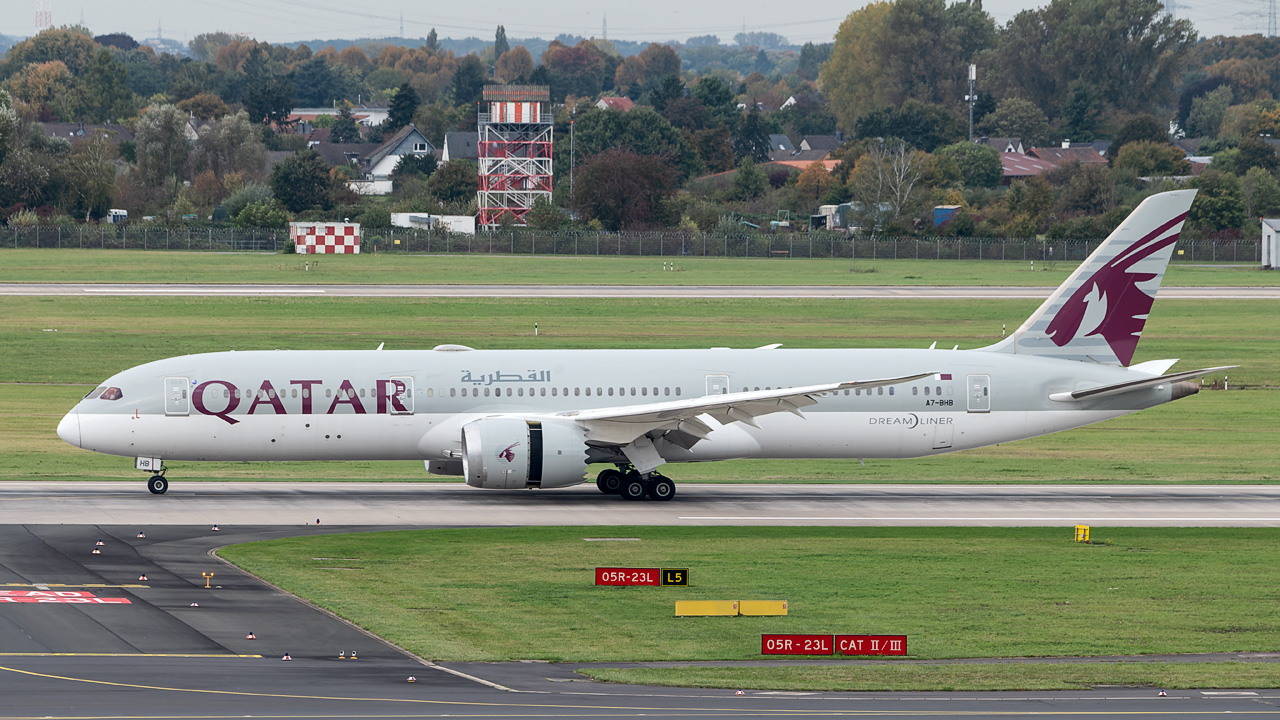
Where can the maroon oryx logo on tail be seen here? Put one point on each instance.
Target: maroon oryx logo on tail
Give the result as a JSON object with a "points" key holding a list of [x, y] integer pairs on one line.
{"points": [[1112, 295], [508, 453]]}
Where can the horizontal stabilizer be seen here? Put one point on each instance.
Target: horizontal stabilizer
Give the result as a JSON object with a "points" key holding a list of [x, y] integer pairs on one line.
{"points": [[1124, 387]]}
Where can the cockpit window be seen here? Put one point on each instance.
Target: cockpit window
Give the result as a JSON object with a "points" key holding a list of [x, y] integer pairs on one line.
{"points": [[94, 393], [111, 393]]}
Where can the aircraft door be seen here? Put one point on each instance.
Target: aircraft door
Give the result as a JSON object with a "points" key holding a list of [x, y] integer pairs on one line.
{"points": [[717, 384], [978, 389], [177, 396], [400, 392]]}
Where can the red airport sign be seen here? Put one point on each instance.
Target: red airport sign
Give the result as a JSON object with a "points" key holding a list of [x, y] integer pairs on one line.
{"points": [[871, 644], [627, 576], [796, 645], [63, 597]]}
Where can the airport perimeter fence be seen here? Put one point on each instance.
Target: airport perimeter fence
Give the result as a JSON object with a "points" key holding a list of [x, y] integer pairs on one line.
{"points": [[655, 244]]}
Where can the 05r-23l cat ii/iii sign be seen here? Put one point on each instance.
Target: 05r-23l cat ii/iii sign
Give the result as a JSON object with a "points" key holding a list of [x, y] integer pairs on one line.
{"points": [[539, 418]]}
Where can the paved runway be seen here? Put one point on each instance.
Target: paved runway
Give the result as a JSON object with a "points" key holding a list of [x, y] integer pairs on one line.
{"points": [[157, 656], [294, 504], [597, 291]]}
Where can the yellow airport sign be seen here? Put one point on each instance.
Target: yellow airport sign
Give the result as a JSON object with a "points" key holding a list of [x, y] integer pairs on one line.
{"points": [[762, 607], [689, 608]]}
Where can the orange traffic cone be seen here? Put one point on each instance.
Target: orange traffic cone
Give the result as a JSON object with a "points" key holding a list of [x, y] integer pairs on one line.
{"points": [[143, 576], [286, 657], [250, 636]]}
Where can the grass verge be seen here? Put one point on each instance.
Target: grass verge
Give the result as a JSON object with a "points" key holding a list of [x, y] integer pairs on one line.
{"points": [[528, 593], [894, 677], [138, 266]]}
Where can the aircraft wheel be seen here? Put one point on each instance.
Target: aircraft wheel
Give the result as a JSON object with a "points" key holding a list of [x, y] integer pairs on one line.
{"points": [[662, 488], [157, 485], [609, 481], [633, 488]]}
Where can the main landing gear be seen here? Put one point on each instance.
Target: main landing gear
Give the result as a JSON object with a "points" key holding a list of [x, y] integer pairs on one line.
{"points": [[631, 485], [157, 484]]}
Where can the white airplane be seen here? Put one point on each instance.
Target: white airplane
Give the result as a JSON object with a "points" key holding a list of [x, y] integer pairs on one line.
{"points": [[539, 418]]}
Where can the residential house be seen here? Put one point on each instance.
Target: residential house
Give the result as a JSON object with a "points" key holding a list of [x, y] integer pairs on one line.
{"points": [[461, 146], [829, 143], [116, 134], [1019, 166], [374, 163], [780, 143], [1003, 145], [1102, 146], [615, 103], [1060, 155]]}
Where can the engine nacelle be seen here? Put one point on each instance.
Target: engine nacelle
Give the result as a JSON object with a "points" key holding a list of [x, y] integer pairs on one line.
{"points": [[509, 453]]}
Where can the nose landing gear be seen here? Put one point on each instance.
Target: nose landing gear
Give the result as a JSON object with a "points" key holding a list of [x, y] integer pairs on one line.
{"points": [[157, 484]]}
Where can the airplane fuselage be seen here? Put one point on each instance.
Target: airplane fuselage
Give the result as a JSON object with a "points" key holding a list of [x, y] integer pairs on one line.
{"points": [[412, 404]]}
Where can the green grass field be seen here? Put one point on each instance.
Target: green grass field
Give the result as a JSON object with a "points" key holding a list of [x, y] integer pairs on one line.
{"points": [[978, 676], [529, 593], [109, 266], [1213, 437]]}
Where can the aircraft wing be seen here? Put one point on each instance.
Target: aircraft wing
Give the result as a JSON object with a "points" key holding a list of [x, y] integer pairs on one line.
{"points": [[1124, 387], [679, 418]]}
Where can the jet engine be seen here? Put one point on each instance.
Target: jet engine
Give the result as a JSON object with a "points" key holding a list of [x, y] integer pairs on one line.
{"points": [[509, 453]]}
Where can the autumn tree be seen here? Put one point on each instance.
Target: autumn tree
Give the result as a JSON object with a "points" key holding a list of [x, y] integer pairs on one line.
{"points": [[90, 175], [1019, 118], [230, 145], [204, 106], [456, 181], [814, 182], [106, 95], [403, 104], [624, 189], [889, 52], [302, 182], [884, 182], [1131, 51], [161, 142], [344, 128], [514, 65], [977, 165], [48, 86]]}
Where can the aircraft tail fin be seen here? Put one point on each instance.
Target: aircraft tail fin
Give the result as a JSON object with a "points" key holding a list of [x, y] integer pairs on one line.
{"points": [[1098, 313]]}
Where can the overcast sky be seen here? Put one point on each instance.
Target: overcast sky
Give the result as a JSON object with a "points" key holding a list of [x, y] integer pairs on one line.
{"points": [[660, 20]]}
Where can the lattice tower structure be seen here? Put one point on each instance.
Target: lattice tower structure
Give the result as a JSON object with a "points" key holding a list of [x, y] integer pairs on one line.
{"points": [[44, 15], [514, 151]]}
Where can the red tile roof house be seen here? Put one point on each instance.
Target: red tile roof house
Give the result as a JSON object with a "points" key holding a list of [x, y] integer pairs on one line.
{"points": [[615, 103], [1017, 166]]}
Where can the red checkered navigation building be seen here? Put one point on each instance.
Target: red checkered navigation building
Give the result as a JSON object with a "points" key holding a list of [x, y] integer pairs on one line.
{"points": [[515, 152], [325, 238]]}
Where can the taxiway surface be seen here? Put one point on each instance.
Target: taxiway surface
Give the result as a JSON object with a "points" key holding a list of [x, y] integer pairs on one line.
{"points": [[596, 291], [296, 504]]}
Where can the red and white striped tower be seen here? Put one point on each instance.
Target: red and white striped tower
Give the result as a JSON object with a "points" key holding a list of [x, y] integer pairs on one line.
{"points": [[515, 152], [44, 15]]}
